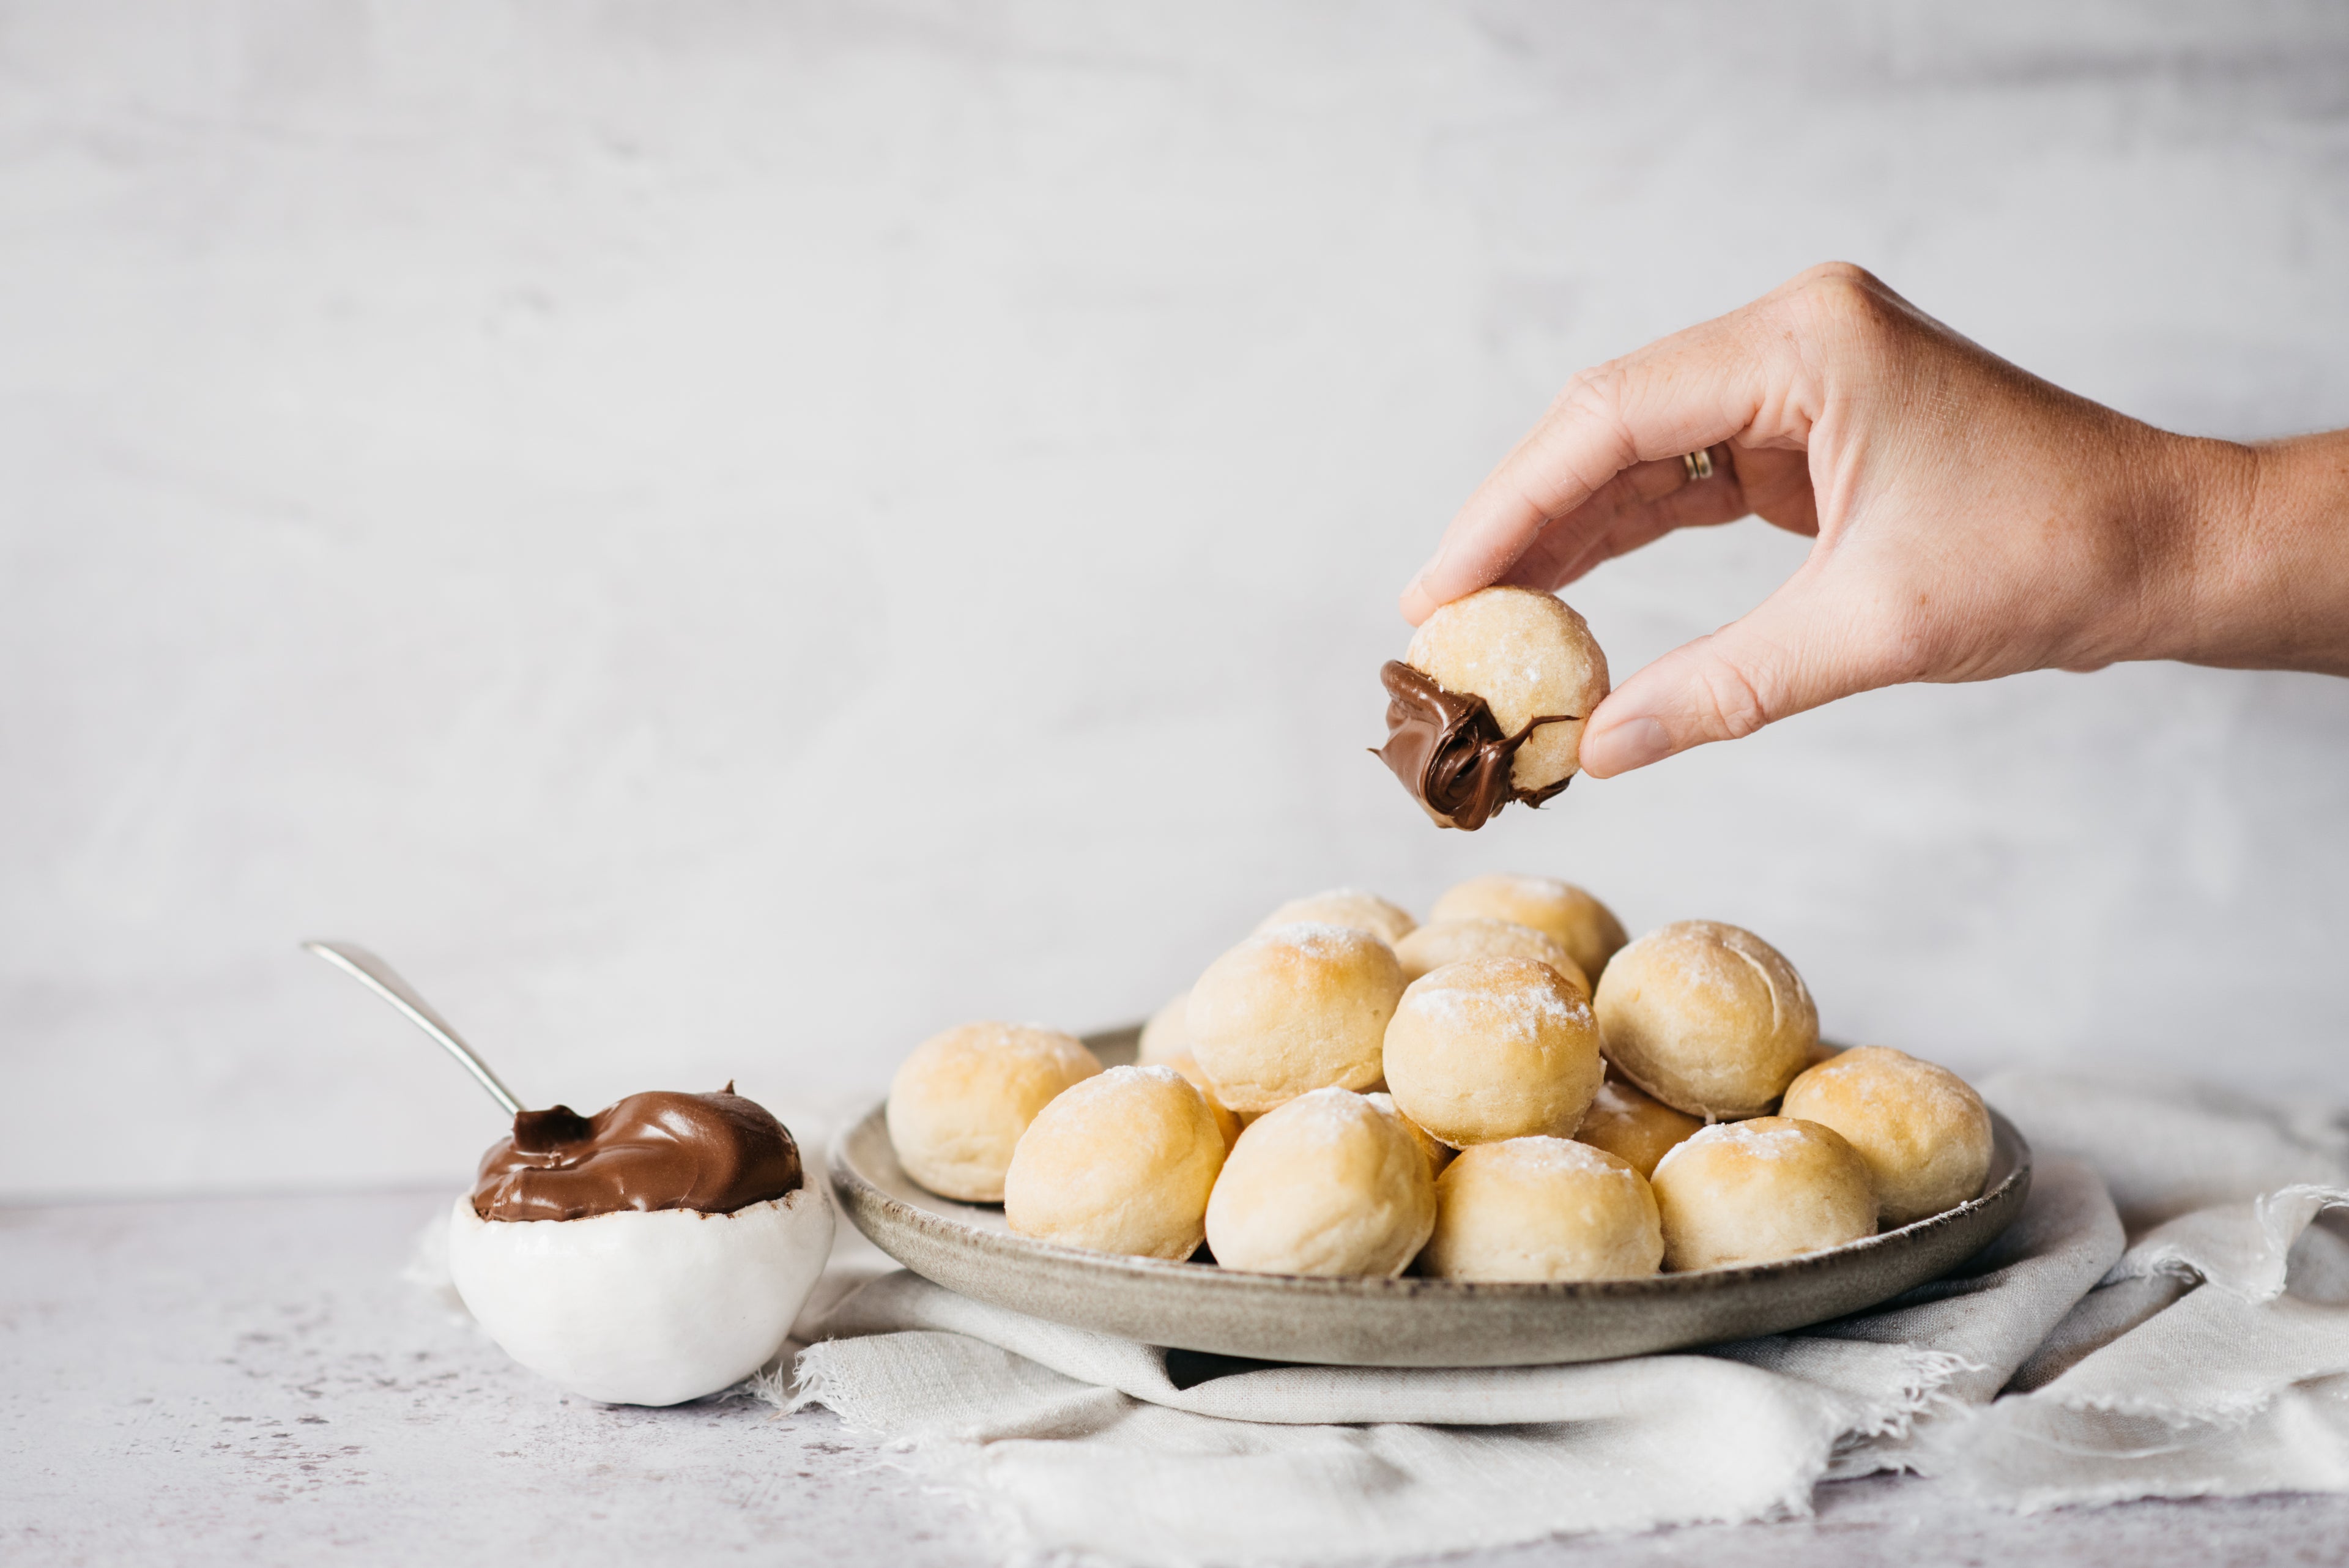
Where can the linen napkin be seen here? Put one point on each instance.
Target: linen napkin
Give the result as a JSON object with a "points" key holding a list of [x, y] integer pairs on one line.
{"points": [[2212, 1356], [2213, 1360]]}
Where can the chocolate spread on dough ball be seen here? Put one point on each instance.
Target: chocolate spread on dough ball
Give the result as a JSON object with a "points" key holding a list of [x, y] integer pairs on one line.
{"points": [[1487, 704], [1449, 752], [713, 1153]]}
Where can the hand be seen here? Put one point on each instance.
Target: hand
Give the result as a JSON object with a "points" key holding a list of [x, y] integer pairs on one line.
{"points": [[1971, 520]]}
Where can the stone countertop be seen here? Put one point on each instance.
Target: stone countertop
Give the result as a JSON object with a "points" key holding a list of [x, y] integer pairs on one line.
{"points": [[251, 1381]]}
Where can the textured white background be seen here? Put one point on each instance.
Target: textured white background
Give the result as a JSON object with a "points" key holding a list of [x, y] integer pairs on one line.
{"points": [[722, 537]]}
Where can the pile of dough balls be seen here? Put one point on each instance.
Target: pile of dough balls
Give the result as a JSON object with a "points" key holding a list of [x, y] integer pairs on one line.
{"points": [[1511, 1091]]}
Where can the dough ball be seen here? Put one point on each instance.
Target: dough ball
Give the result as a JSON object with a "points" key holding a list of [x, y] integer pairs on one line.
{"points": [[1923, 1131], [1707, 1018], [1542, 1208], [1747, 1192], [1439, 1155], [1227, 1121], [1166, 1042], [1345, 906], [1293, 1009], [959, 1102], [1327, 1184], [1165, 1037], [1633, 1127], [1441, 943], [1493, 1048], [1119, 1163], [1587, 929], [1528, 655]]}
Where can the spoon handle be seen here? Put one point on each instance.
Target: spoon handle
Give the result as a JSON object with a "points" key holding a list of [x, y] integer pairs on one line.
{"points": [[380, 978]]}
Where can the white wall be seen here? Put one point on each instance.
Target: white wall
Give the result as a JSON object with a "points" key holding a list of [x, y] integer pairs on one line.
{"points": [[725, 537]]}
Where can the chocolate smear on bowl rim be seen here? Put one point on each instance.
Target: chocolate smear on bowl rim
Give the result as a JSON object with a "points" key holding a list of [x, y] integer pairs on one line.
{"points": [[711, 1153], [1450, 751]]}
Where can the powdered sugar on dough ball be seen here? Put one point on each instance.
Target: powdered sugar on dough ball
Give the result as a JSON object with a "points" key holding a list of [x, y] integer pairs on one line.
{"points": [[1345, 906], [1329, 1184], [1542, 1208], [1119, 1163], [1290, 1009], [1923, 1131], [1528, 655], [1635, 1127], [1708, 1018], [1587, 929], [1491, 1049], [1752, 1191], [959, 1102], [1440, 942]]}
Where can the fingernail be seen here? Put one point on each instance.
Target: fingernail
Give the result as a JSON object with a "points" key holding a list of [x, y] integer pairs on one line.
{"points": [[1623, 745]]}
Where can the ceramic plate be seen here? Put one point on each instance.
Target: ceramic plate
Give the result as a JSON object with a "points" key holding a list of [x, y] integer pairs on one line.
{"points": [[1395, 1323]]}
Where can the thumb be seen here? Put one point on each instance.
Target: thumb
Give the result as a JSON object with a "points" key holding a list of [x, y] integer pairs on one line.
{"points": [[1789, 654]]}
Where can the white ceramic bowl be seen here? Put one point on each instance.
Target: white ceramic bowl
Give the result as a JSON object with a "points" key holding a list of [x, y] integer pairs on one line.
{"points": [[643, 1308]]}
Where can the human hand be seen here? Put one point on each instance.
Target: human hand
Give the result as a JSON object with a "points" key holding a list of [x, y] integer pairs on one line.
{"points": [[1971, 520]]}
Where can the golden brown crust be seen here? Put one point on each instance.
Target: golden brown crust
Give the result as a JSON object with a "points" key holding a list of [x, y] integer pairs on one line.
{"points": [[1923, 1131], [1493, 1048], [1706, 1017], [1440, 942], [1327, 1184], [1757, 1191], [1119, 1163], [1290, 1009], [1543, 1209], [1634, 1125], [959, 1102], [1587, 929]]}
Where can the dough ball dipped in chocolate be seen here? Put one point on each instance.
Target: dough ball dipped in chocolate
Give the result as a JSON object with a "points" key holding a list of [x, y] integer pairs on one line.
{"points": [[1121, 1162], [1439, 1153], [1327, 1184], [1491, 1049], [1487, 705], [1636, 1128], [1706, 1017], [1752, 1191], [1344, 907], [652, 1253], [1542, 1208], [1440, 942], [1290, 1009], [1587, 929], [960, 1102], [1923, 1131], [1166, 1036]]}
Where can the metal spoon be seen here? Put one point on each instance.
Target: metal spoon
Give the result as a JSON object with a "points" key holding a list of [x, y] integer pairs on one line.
{"points": [[379, 977]]}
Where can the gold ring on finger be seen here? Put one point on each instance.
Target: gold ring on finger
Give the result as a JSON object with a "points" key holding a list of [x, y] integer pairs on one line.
{"points": [[1697, 465]]}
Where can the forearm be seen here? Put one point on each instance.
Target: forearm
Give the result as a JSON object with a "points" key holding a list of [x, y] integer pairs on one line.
{"points": [[2262, 579]]}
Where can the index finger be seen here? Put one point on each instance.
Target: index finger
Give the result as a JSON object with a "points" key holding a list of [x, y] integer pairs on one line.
{"points": [[1678, 394]]}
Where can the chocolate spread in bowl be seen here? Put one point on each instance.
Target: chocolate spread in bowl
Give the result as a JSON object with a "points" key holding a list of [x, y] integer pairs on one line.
{"points": [[1449, 751], [714, 1153]]}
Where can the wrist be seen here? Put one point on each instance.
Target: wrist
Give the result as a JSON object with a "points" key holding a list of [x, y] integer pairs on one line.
{"points": [[2261, 570]]}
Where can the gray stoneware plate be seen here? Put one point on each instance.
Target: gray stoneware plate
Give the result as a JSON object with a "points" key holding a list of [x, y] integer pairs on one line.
{"points": [[1395, 1323]]}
